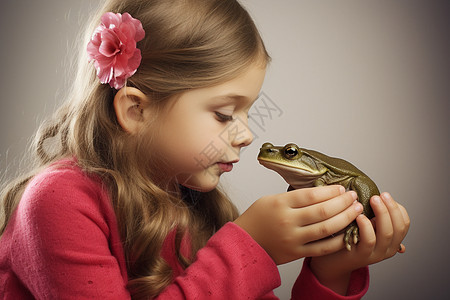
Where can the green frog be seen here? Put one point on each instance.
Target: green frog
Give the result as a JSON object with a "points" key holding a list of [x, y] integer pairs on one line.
{"points": [[303, 168]]}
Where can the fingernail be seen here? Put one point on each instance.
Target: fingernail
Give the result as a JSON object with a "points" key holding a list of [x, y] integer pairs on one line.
{"points": [[386, 197], [354, 195], [358, 207], [376, 199], [342, 189]]}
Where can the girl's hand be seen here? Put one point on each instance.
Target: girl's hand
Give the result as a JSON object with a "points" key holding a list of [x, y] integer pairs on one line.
{"points": [[379, 239], [292, 225]]}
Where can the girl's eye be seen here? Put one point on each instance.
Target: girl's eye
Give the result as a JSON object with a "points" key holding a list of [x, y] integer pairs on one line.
{"points": [[224, 118]]}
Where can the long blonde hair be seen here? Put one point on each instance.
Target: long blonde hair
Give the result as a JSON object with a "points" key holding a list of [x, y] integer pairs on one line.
{"points": [[189, 44]]}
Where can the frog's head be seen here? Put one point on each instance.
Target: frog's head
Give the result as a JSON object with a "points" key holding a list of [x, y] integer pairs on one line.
{"points": [[292, 163]]}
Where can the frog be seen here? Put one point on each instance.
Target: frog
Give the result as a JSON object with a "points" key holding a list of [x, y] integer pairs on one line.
{"points": [[303, 168]]}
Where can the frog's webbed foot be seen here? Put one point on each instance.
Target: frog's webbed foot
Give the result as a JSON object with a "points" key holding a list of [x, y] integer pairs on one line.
{"points": [[351, 236]]}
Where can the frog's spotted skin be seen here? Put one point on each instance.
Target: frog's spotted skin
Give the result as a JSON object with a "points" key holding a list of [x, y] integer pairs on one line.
{"points": [[303, 168]]}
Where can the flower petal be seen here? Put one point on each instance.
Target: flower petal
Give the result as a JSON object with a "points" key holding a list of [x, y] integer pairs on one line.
{"points": [[120, 66], [103, 63], [111, 20], [105, 74], [135, 61], [92, 51], [110, 43], [139, 30], [113, 48], [118, 82]]}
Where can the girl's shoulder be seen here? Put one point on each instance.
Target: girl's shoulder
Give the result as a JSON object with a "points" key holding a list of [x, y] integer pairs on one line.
{"points": [[64, 184], [58, 172], [64, 224]]}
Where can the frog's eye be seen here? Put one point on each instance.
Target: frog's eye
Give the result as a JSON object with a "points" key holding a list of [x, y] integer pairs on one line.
{"points": [[267, 145], [290, 152]]}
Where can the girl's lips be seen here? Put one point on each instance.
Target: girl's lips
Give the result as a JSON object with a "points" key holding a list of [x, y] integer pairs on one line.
{"points": [[225, 167]]}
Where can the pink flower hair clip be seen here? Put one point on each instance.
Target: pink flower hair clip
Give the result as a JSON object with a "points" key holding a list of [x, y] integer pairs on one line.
{"points": [[113, 48]]}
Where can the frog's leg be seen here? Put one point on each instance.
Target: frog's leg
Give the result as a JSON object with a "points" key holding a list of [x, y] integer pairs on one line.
{"points": [[365, 188], [320, 182], [351, 231], [355, 234]]}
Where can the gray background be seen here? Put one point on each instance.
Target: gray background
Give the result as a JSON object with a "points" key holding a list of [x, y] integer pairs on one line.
{"points": [[363, 80]]}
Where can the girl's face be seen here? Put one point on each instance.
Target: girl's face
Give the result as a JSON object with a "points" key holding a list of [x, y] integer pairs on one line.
{"points": [[204, 129]]}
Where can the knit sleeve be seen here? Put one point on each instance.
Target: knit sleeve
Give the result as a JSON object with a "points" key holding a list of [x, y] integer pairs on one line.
{"points": [[61, 246], [65, 245], [308, 287], [231, 266]]}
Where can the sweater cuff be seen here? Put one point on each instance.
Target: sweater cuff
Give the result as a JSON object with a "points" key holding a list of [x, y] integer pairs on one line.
{"points": [[358, 285]]}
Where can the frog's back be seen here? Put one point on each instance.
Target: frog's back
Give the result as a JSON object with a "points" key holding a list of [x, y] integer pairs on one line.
{"points": [[335, 164]]}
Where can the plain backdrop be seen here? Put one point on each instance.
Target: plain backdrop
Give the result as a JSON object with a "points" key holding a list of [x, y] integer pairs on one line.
{"points": [[367, 81]]}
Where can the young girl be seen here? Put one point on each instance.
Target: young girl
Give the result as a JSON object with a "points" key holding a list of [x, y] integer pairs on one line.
{"points": [[124, 201]]}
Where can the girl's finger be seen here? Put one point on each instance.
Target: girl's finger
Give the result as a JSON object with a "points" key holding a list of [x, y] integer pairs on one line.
{"points": [[405, 215], [400, 217], [367, 236], [406, 220], [324, 246], [398, 220], [332, 225], [384, 228], [322, 211], [309, 196]]}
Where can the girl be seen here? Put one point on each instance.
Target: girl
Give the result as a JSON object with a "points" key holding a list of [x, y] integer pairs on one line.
{"points": [[124, 200]]}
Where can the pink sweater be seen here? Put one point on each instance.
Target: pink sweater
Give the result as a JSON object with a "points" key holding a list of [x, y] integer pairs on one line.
{"points": [[63, 242]]}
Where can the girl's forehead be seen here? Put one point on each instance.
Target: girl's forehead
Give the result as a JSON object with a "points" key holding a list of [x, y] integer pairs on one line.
{"points": [[241, 91], [245, 86]]}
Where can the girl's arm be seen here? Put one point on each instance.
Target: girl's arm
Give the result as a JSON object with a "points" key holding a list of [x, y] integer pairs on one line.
{"points": [[231, 266], [65, 245], [63, 240], [241, 269], [293, 225], [308, 286]]}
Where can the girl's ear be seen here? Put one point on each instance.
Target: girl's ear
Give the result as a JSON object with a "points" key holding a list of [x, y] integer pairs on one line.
{"points": [[131, 105]]}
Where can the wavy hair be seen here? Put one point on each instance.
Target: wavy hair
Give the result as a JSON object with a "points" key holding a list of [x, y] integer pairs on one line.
{"points": [[189, 44]]}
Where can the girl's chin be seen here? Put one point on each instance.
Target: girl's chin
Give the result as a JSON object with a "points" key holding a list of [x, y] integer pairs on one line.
{"points": [[202, 189], [203, 182]]}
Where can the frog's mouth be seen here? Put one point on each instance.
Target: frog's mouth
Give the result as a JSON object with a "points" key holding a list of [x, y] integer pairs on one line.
{"points": [[296, 176]]}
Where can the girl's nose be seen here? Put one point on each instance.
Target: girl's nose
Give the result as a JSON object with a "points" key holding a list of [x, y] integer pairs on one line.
{"points": [[243, 136]]}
